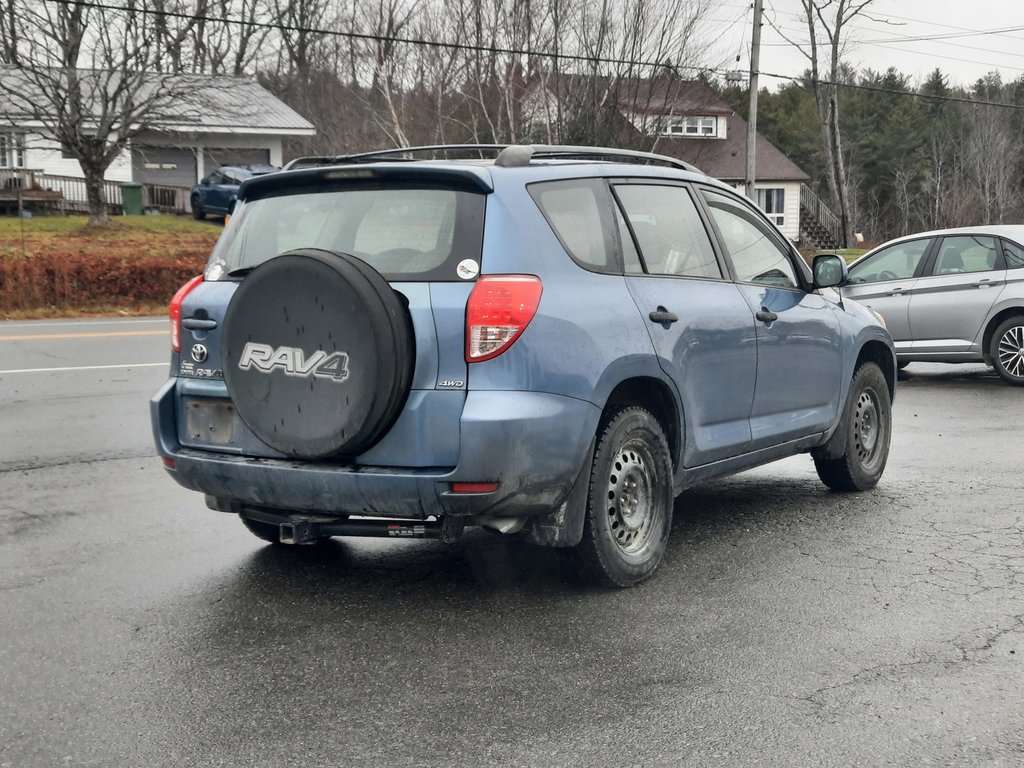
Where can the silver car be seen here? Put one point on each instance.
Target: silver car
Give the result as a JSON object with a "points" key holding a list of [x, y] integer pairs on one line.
{"points": [[950, 296]]}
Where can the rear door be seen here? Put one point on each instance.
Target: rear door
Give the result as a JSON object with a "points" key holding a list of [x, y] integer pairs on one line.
{"points": [[949, 304], [699, 323], [799, 351]]}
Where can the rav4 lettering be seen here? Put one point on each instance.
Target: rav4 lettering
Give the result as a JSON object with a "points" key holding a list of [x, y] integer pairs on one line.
{"points": [[292, 361]]}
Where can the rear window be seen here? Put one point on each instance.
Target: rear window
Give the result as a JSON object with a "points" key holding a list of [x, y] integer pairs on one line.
{"points": [[404, 233]]}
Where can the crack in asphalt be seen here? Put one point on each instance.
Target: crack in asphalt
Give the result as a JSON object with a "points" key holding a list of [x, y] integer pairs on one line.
{"points": [[75, 461]]}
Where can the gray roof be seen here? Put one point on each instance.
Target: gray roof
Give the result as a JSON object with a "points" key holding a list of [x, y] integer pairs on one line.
{"points": [[183, 101], [726, 159]]}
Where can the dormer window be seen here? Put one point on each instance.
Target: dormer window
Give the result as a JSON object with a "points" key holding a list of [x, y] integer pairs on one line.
{"points": [[701, 127]]}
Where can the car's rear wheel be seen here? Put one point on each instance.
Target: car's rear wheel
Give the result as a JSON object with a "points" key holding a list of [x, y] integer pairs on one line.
{"points": [[868, 430], [197, 208], [629, 508], [1007, 350]]}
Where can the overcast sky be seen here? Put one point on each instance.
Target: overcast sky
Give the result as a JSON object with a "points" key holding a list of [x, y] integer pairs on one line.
{"points": [[990, 36]]}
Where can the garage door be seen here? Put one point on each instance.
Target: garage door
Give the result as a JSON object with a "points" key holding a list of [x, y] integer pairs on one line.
{"points": [[164, 165], [215, 158]]}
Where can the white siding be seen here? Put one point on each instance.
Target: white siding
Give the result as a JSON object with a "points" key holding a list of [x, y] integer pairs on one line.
{"points": [[44, 154]]}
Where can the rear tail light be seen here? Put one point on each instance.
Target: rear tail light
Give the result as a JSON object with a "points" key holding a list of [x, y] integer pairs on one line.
{"points": [[499, 309], [175, 310], [474, 487]]}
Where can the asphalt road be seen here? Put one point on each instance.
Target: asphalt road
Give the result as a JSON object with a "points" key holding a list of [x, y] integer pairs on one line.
{"points": [[788, 626]]}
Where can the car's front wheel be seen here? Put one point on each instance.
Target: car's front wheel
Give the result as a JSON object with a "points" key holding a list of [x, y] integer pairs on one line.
{"points": [[867, 426], [1007, 350], [197, 208], [629, 509]]}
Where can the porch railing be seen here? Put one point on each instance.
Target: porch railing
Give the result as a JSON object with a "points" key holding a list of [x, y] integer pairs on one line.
{"points": [[73, 198], [821, 213]]}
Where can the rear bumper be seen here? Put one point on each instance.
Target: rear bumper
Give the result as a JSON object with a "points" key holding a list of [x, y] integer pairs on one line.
{"points": [[532, 444]]}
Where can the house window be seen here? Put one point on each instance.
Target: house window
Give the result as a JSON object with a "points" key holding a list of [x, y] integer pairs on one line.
{"points": [[773, 203], [12, 150], [691, 126]]}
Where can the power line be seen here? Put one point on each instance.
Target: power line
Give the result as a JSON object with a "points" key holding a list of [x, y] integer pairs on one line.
{"points": [[507, 51], [895, 92], [370, 37]]}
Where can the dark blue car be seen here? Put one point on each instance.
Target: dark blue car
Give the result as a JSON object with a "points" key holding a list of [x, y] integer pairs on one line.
{"points": [[552, 343], [218, 192]]}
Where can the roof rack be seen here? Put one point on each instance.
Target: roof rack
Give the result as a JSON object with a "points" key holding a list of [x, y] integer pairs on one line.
{"points": [[506, 155]]}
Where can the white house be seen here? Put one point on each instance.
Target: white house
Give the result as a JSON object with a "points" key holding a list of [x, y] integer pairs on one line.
{"points": [[222, 120]]}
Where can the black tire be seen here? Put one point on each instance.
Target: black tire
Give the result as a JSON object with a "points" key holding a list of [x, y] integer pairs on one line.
{"points": [[310, 304], [629, 505], [265, 531], [868, 427], [197, 209], [1007, 350]]}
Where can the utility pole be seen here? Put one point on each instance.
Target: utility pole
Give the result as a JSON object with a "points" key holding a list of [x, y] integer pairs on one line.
{"points": [[755, 62]]}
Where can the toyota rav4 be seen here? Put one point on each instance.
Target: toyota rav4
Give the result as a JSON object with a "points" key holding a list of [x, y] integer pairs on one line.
{"points": [[546, 341]]}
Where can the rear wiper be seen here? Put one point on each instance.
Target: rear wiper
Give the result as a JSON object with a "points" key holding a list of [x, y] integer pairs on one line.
{"points": [[240, 271]]}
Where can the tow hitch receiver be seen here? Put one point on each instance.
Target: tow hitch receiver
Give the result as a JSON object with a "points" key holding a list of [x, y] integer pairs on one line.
{"points": [[309, 531]]}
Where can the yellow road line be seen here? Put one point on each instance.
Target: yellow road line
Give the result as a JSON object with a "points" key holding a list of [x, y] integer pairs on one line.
{"points": [[31, 337]]}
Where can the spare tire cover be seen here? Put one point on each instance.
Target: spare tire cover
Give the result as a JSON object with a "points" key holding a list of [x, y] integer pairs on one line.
{"points": [[317, 353]]}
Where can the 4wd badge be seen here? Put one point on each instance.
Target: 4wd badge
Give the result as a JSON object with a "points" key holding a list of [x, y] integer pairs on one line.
{"points": [[291, 361]]}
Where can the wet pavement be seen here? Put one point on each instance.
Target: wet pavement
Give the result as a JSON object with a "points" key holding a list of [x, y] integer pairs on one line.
{"points": [[787, 625]]}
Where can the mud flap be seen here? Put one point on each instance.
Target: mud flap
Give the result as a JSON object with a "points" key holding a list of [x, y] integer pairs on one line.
{"points": [[564, 526]]}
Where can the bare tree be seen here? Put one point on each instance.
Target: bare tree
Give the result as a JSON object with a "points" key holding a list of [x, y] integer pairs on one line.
{"points": [[989, 154], [827, 22], [79, 72]]}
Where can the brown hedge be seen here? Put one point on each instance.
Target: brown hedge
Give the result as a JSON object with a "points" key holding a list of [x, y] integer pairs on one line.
{"points": [[78, 282]]}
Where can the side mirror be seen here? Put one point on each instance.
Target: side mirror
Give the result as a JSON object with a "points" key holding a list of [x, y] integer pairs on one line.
{"points": [[829, 270]]}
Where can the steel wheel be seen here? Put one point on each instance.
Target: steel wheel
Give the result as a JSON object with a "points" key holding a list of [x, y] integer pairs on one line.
{"points": [[867, 430], [855, 457], [629, 508], [1006, 350]]}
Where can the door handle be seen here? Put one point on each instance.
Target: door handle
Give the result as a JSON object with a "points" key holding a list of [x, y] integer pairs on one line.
{"points": [[984, 283], [198, 324], [896, 291], [766, 315], [663, 316]]}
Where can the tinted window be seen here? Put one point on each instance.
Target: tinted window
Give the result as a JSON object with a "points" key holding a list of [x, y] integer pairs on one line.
{"points": [[406, 234], [1014, 255], [897, 262], [216, 178], [668, 230], [757, 254], [574, 211], [968, 253]]}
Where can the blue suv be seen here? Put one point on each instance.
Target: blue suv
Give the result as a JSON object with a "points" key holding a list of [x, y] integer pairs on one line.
{"points": [[552, 342], [218, 192]]}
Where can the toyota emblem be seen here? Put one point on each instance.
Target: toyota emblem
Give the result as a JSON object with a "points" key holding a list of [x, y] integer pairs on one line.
{"points": [[199, 353]]}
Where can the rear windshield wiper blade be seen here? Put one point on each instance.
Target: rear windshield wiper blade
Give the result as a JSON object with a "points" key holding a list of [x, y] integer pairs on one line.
{"points": [[240, 271]]}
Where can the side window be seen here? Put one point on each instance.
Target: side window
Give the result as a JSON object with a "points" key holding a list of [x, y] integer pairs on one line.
{"points": [[578, 212], [1014, 255], [668, 230], [216, 178], [756, 252], [967, 253], [897, 262]]}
